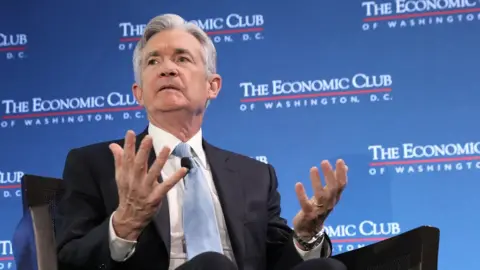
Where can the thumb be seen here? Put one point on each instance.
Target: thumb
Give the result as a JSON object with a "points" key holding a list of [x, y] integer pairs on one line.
{"points": [[160, 190]]}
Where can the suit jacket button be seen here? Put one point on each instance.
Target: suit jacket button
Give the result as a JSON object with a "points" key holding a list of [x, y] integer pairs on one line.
{"points": [[102, 266]]}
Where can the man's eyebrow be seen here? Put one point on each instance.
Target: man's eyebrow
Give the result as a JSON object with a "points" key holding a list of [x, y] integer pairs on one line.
{"points": [[155, 53], [183, 51], [151, 54]]}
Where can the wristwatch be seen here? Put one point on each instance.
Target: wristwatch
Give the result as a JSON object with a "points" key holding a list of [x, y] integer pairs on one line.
{"points": [[312, 242]]}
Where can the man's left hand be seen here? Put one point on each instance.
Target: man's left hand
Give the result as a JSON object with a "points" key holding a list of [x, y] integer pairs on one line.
{"points": [[310, 219]]}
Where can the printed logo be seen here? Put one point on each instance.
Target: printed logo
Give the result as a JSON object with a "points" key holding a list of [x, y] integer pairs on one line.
{"points": [[6, 254], [13, 46], [409, 158], [418, 13], [261, 159], [282, 94], [10, 184], [72, 110], [231, 28], [346, 237]]}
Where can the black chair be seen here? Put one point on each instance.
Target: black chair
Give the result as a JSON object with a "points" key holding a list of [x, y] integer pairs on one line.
{"points": [[413, 250], [416, 249]]}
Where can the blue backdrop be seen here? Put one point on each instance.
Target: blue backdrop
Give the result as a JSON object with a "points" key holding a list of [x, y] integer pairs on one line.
{"points": [[389, 86]]}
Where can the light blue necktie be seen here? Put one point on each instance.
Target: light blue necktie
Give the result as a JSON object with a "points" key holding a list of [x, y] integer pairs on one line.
{"points": [[199, 220]]}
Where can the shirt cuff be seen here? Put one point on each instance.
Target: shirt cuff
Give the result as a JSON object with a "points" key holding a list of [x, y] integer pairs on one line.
{"points": [[120, 249]]}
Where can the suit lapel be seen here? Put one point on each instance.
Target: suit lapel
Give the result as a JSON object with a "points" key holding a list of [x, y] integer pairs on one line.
{"points": [[161, 220], [231, 196]]}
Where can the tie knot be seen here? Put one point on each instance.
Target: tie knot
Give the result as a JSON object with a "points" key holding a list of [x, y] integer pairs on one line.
{"points": [[182, 150]]}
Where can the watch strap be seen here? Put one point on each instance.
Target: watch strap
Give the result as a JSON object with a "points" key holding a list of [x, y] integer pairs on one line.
{"points": [[312, 242]]}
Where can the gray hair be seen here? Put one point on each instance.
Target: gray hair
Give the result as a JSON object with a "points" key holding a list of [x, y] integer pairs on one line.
{"points": [[169, 22]]}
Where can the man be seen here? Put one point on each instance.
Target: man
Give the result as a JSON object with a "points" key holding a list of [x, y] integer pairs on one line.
{"points": [[186, 204]]}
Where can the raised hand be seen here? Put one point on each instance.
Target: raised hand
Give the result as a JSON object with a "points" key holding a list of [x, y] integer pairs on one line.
{"points": [[139, 192], [315, 210]]}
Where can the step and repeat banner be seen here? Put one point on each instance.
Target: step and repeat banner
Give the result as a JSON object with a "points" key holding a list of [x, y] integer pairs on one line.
{"points": [[389, 86]]}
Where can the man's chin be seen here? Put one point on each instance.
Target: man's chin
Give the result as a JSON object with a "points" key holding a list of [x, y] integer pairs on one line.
{"points": [[171, 107]]}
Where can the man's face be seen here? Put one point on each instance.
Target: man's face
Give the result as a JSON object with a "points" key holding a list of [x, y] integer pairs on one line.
{"points": [[174, 74]]}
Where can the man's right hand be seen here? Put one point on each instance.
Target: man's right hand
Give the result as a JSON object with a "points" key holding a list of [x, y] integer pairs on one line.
{"points": [[139, 192]]}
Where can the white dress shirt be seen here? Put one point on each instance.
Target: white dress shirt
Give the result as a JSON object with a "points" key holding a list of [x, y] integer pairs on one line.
{"points": [[121, 249]]}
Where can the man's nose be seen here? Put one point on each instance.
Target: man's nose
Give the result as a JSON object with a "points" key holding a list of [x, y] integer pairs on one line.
{"points": [[168, 72]]}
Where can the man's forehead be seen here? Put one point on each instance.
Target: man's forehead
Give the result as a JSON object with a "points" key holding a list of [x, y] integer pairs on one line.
{"points": [[172, 42]]}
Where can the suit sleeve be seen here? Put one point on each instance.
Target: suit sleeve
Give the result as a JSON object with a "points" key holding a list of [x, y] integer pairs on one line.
{"points": [[82, 226], [281, 251]]}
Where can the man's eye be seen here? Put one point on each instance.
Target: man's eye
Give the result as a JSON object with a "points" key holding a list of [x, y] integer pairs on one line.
{"points": [[183, 59], [152, 62]]}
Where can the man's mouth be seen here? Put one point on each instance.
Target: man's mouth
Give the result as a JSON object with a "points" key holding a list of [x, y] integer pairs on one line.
{"points": [[169, 87]]}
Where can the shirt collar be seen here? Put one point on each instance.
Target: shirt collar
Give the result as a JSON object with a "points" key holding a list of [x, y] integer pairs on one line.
{"points": [[162, 138]]}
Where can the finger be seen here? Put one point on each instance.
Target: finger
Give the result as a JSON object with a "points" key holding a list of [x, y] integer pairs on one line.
{"points": [[316, 181], [157, 166], [329, 175], [128, 151], [341, 172], [341, 175], [303, 198], [161, 190], [117, 152], [142, 157]]}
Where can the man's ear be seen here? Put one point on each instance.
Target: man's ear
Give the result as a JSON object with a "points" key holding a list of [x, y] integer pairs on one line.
{"points": [[137, 93], [215, 85]]}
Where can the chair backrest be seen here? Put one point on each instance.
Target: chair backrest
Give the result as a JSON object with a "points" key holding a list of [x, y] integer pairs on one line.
{"points": [[40, 198], [416, 249]]}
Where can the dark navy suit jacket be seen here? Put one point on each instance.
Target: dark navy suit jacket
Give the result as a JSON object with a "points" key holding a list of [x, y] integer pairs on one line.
{"points": [[261, 239]]}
